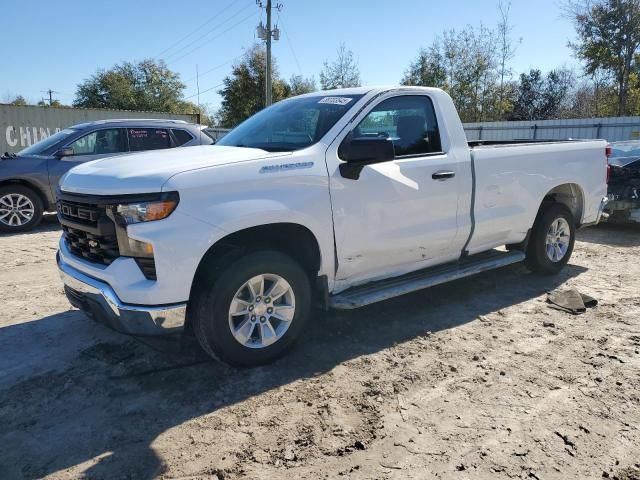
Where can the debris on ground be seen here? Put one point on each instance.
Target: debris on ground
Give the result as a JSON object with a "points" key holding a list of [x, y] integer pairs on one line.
{"points": [[571, 301]]}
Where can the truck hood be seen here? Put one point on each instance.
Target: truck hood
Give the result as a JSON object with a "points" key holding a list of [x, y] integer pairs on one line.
{"points": [[146, 172]]}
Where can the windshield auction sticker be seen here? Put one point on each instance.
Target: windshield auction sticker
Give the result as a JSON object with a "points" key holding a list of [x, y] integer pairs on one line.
{"points": [[336, 100]]}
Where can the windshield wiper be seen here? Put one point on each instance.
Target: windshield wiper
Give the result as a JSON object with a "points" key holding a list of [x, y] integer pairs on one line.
{"points": [[277, 149], [7, 155]]}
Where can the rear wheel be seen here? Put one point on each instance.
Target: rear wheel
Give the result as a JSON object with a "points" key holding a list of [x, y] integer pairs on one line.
{"points": [[254, 309], [20, 209], [552, 240]]}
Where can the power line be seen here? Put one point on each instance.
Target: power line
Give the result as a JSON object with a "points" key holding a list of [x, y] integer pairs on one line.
{"points": [[214, 38], [203, 91], [183, 48], [217, 15], [217, 67], [293, 52], [213, 29]]}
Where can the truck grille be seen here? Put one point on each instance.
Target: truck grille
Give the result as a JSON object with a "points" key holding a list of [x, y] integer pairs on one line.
{"points": [[78, 213], [95, 248], [89, 230]]}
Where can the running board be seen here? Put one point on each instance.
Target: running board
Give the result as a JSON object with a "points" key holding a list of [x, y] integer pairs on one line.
{"points": [[394, 287]]}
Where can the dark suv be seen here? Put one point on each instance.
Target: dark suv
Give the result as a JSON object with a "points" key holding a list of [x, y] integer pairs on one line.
{"points": [[28, 179]]}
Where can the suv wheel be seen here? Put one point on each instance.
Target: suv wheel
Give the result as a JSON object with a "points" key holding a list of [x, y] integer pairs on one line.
{"points": [[20, 209], [254, 310], [552, 240]]}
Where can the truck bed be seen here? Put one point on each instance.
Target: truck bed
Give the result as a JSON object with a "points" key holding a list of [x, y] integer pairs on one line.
{"points": [[510, 179], [498, 143]]}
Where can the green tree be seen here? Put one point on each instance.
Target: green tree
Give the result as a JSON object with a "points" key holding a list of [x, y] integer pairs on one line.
{"points": [[465, 64], [54, 103], [608, 39], [507, 51], [428, 69], [244, 90], [299, 85], [540, 97], [343, 72], [19, 100], [147, 85]]}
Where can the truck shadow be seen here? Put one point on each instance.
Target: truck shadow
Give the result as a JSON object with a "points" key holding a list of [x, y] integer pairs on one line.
{"points": [[49, 223], [102, 412], [611, 234]]}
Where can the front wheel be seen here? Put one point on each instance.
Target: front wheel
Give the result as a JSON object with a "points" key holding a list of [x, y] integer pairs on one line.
{"points": [[254, 309], [20, 209], [552, 240]]}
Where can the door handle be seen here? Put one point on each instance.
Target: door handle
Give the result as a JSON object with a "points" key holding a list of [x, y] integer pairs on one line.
{"points": [[443, 175]]}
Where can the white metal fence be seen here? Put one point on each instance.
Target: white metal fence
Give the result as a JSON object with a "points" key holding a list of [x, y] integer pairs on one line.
{"points": [[612, 129]]}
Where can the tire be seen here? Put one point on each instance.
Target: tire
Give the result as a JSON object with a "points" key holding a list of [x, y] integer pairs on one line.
{"points": [[30, 210], [214, 301], [539, 253]]}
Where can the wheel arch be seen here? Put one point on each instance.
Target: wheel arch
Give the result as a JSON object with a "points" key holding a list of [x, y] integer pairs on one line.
{"points": [[568, 194], [293, 239], [33, 186]]}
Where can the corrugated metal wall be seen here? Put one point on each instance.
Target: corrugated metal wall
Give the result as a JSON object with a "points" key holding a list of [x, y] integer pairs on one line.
{"points": [[217, 132], [612, 129], [21, 126]]}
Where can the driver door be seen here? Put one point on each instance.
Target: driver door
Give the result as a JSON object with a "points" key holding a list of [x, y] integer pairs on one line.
{"points": [[399, 215]]}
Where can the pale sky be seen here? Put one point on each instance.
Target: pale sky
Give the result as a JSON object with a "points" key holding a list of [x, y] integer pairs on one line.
{"points": [[56, 45]]}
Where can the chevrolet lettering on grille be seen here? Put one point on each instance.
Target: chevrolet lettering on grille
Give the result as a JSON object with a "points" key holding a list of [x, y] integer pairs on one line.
{"points": [[80, 213]]}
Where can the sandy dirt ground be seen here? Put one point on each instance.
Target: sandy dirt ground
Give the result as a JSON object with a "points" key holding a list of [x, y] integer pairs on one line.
{"points": [[476, 379]]}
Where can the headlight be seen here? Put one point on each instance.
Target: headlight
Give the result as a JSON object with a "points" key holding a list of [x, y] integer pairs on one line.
{"points": [[147, 211]]}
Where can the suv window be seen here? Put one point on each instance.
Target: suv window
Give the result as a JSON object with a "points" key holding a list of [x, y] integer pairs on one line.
{"points": [[108, 140], [409, 121], [148, 139], [182, 137]]}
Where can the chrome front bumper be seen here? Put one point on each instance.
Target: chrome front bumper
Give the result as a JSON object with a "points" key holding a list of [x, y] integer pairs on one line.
{"points": [[98, 300]]}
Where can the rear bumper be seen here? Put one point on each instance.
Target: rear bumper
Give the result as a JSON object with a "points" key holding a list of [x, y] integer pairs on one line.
{"points": [[623, 211], [99, 301]]}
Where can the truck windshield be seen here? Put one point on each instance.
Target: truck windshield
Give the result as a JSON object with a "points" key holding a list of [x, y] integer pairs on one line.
{"points": [[290, 124], [42, 145]]}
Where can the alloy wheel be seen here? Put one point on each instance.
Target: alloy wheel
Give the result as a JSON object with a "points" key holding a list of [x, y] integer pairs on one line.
{"points": [[558, 239], [16, 209], [262, 310]]}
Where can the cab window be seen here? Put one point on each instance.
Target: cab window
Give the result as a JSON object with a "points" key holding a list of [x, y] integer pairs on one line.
{"points": [[141, 139], [100, 142], [181, 136], [409, 121]]}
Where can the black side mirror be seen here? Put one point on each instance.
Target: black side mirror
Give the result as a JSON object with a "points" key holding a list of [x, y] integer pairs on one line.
{"points": [[359, 152], [63, 152]]}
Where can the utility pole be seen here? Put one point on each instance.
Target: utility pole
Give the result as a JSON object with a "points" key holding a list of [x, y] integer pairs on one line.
{"points": [[269, 91], [50, 92], [266, 34]]}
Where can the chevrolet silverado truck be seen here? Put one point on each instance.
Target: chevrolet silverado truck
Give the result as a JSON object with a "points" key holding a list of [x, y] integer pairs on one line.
{"points": [[338, 198]]}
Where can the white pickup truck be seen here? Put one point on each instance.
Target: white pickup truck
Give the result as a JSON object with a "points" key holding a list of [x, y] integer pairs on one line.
{"points": [[340, 198]]}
